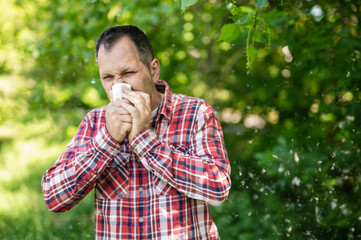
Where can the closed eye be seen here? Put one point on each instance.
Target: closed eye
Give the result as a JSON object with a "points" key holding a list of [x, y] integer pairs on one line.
{"points": [[108, 76], [128, 73]]}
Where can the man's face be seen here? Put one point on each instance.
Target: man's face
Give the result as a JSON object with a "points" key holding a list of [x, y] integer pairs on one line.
{"points": [[122, 64]]}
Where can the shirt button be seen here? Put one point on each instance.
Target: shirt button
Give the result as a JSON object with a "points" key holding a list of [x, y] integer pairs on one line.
{"points": [[114, 151], [141, 219], [140, 189]]}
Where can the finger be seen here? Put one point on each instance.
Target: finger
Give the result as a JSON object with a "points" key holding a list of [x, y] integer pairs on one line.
{"points": [[122, 111], [119, 114], [132, 110], [125, 118], [118, 105], [127, 126], [146, 97], [139, 99], [124, 101], [126, 89]]}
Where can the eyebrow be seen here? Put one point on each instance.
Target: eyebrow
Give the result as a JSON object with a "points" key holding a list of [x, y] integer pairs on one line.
{"points": [[127, 69], [124, 70], [106, 74]]}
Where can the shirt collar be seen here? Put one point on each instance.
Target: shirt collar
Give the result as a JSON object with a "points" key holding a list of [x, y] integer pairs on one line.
{"points": [[165, 107]]}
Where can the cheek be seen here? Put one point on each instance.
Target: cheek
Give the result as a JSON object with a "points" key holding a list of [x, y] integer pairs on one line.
{"points": [[135, 81], [107, 86], [150, 83], [140, 82]]}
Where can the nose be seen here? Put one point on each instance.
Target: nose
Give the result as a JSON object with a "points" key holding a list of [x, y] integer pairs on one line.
{"points": [[118, 79]]}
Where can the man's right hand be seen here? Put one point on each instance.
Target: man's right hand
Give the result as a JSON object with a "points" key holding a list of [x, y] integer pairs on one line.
{"points": [[118, 121]]}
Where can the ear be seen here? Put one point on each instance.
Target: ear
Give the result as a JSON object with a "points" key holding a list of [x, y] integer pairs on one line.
{"points": [[155, 70]]}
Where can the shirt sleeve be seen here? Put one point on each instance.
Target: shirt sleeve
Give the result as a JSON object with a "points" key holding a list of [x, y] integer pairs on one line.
{"points": [[202, 172], [76, 170]]}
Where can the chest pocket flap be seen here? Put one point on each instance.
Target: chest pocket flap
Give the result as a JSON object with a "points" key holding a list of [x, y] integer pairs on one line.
{"points": [[113, 182]]}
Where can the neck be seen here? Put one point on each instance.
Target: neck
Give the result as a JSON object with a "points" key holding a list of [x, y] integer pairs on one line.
{"points": [[157, 98]]}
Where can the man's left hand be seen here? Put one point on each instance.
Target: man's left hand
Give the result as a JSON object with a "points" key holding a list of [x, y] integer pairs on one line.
{"points": [[140, 110]]}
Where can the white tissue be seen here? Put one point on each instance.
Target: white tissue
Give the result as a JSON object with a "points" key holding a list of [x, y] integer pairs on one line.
{"points": [[117, 90]]}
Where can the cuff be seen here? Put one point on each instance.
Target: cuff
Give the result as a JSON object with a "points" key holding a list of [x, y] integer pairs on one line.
{"points": [[143, 142], [105, 143]]}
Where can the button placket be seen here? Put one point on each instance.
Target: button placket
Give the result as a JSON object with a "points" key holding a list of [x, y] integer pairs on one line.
{"points": [[140, 194]]}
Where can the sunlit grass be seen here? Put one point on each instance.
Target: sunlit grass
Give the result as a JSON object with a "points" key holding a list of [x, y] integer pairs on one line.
{"points": [[23, 214]]}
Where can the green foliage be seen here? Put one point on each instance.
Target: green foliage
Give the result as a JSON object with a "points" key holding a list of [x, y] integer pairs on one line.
{"points": [[187, 3], [250, 19], [282, 75], [260, 3], [229, 33]]}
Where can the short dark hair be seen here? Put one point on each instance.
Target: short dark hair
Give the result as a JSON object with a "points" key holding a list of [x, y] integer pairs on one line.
{"points": [[142, 43]]}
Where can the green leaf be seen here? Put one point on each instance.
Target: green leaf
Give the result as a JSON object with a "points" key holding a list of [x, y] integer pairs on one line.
{"points": [[242, 20], [260, 3], [241, 14], [251, 55], [187, 3], [229, 32]]}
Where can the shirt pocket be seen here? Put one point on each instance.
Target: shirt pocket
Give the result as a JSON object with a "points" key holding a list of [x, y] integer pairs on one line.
{"points": [[114, 181], [161, 187]]}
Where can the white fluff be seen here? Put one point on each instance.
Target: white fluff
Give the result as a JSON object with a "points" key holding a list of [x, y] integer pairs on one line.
{"points": [[117, 90]]}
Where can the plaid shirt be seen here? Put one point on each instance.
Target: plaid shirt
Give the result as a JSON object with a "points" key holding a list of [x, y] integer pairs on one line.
{"points": [[155, 187]]}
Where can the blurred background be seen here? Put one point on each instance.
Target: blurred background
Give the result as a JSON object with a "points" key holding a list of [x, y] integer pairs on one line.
{"points": [[284, 77]]}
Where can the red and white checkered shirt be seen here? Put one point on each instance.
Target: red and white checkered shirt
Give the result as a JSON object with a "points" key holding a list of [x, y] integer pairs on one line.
{"points": [[155, 187]]}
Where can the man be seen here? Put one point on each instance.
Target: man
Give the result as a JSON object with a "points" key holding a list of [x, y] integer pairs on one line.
{"points": [[156, 159]]}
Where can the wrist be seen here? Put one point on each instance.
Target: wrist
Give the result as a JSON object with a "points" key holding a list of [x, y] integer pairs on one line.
{"points": [[119, 139]]}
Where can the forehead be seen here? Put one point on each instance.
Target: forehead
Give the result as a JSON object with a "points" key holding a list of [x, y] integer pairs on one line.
{"points": [[123, 48]]}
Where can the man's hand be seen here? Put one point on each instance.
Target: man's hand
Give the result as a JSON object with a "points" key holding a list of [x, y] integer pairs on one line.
{"points": [[118, 120], [139, 109]]}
